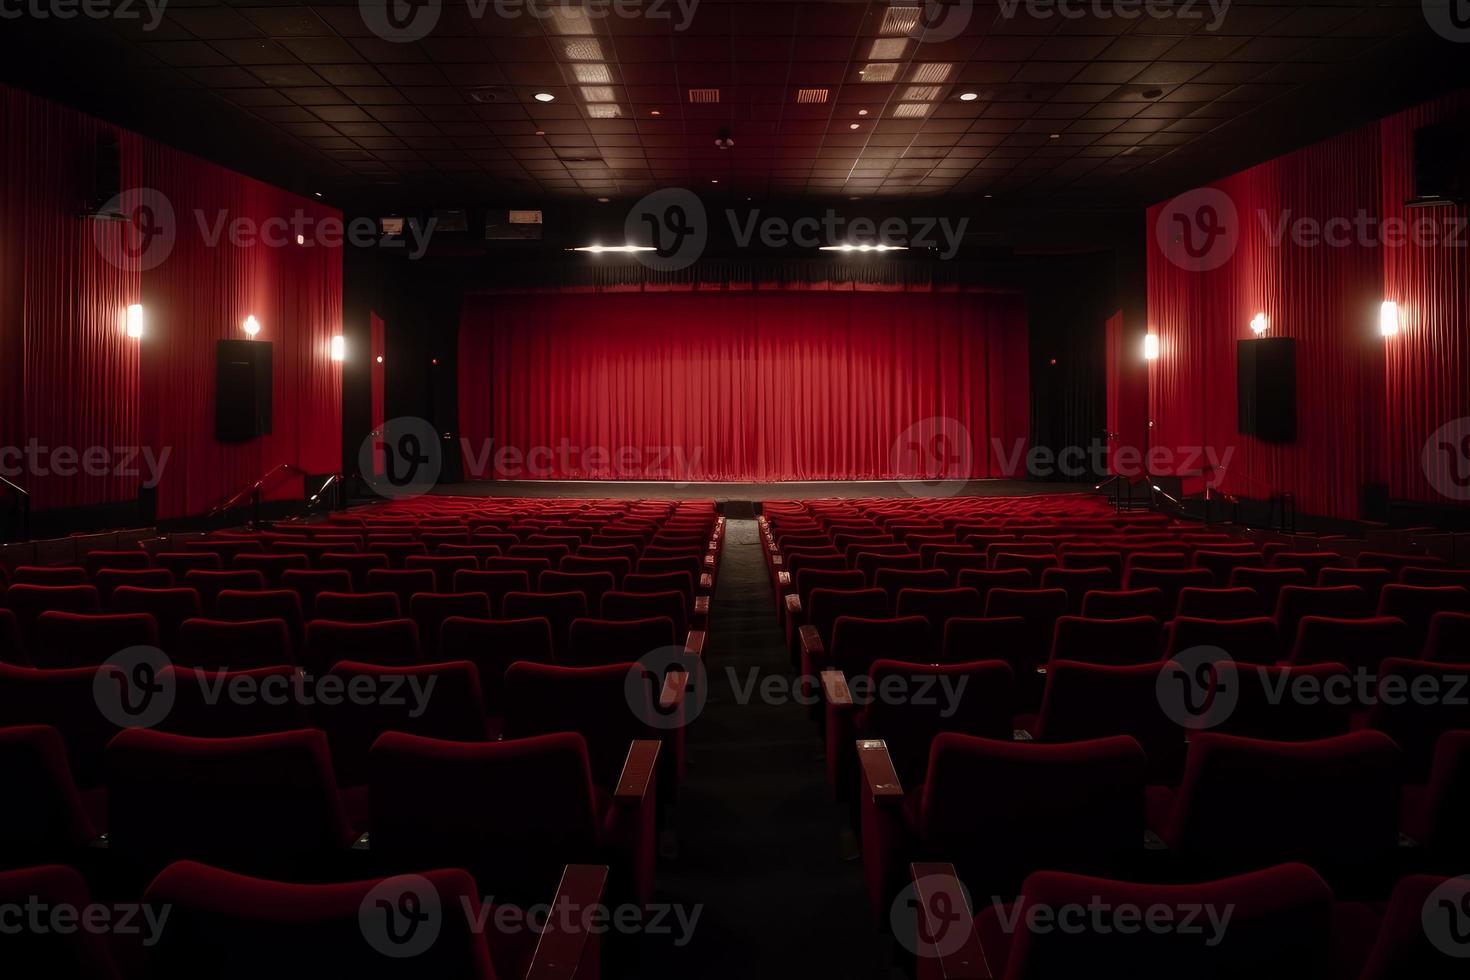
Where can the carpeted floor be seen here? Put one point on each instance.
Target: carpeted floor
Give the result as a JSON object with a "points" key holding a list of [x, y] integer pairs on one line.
{"points": [[759, 847]]}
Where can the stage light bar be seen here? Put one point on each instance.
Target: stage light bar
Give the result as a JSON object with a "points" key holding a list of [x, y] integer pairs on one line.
{"points": [[599, 249], [864, 248]]}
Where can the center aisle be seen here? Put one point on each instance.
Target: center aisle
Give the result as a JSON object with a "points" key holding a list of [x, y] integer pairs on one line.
{"points": [[758, 837]]}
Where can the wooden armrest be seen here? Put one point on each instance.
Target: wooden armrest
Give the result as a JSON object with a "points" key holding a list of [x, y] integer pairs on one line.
{"points": [[1021, 735], [560, 951], [878, 772], [783, 579], [637, 775], [363, 843], [776, 560], [701, 605], [793, 604], [672, 694], [694, 644], [706, 582], [946, 925], [709, 558], [811, 643], [834, 686]]}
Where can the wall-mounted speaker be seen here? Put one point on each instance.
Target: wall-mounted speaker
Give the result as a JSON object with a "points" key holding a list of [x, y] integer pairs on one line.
{"points": [[1265, 376], [242, 390]]}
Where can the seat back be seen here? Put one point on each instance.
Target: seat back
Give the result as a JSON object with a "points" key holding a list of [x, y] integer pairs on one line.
{"points": [[168, 607], [1137, 640], [358, 607], [895, 580], [939, 606], [858, 641], [1267, 583], [1359, 644], [1449, 637], [968, 639], [405, 583], [974, 698], [214, 703], [1077, 582], [1219, 603], [1244, 640], [266, 803], [430, 609], [74, 953], [444, 568], [1086, 701], [389, 643], [1415, 703], [356, 564], [625, 606], [1282, 702], [210, 584], [591, 701], [46, 821], [593, 642], [492, 646], [1295, 601], [1417, 604], [592, 585], [88, 639], [824, 606], [1124, 604], [557, 608], [282, 604], [220, 644]]}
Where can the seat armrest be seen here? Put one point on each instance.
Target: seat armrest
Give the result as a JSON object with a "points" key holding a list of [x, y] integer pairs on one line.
{"points": [[671, 697], [840, 721], [783, 579], [701, 605], [706, 582], [949, 949], [811, 644], [834, 688], [777, 560], [636, 779], [879, 776], [563, 946], [793, 604], [694, 643]]}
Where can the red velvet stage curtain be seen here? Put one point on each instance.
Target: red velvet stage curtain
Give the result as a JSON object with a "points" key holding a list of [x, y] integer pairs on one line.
{"points": [[71, 375], [743, 386], [1357, 421], [1127, 392]]}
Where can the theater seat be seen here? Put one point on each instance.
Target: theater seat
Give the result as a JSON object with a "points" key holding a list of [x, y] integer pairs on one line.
{"points": [[65, 699], [1358, 644], [61, 895], [1406, 946], [402, 582], [1253, 641], [625, 606], [282, 604], [1282, 702], [270, 565], [86, 639], [592, 585], [557, 608], [391, 642], [356, 564], [1218, 603], [1436, 813], [434, 700], [234, 703], [1449, 637], [47, 819], [1417, 604], [492, 646], [593, 642], [1124, 604], [1267, 583], [1294, 602], [1077, 582], [57, 575], [221, 644], [28, 602], [266, 804], [310, 583], [358, 607], [210, 584], [1086, 701], [168, 607], [1415, 703], [430, 610], [987, 638], [1247, 803], [858, 641], [231, 927], [108, 579], [444, 568], [938, 607], [493, 585], [1280, 925], [1107, 641], [512, 813]]}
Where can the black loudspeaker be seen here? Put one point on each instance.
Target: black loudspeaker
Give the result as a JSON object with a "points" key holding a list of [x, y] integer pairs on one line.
{"points": [[1375, 502], [242, 390], [1266, 388], [106, 182]]}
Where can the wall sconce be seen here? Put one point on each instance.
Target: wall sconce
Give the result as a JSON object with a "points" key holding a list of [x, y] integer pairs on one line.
{"points": [[252, 327], [339, 348], [1388, 318], [1151, 347], [135, 321], [1260, 324]]}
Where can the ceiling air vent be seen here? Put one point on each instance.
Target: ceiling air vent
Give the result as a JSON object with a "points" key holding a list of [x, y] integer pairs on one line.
{"points": [[811, 95], [704, 95]]}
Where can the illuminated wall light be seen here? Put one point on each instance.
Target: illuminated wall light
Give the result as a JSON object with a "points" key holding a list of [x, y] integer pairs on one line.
{"points": [[339, 348], [135, 321], [1151, 347], [380, 358], [1388, 318], [252, 327], [1260, 324]]}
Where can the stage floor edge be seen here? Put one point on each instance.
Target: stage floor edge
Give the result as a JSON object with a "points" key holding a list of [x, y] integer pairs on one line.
{"points": [[724, 492]]}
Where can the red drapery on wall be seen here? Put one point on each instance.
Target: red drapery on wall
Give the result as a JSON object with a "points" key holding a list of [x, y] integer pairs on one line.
{"points": [[1364, 405], [1127, 393], [72, 378], [755, 385]]}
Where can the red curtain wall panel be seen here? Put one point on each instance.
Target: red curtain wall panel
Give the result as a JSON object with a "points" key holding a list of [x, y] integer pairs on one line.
{"points": [[1359, 418], [73, 377], [757, 385]]}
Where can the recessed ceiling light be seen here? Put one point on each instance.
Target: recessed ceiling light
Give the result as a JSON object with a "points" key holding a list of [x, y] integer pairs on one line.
{"points": [[862, 112], [863, 248], [655, 113], [544, 97], [880, 71], [603, 200], [854, 126], [910, 110], [932, 71], [592, 74], [884, 49], [714, 180], [540, 132], [969, 96], [900, 20], [1055, 136]]}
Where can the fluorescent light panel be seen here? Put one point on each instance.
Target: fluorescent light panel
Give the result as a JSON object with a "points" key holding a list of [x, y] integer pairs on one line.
{"points": [[900, 21], [583, 49], [880, 71], [911, 110], [597, 93], [921, 93], [888, 48], [604, 110], [932, 71], [592, 74], [811, 95]]}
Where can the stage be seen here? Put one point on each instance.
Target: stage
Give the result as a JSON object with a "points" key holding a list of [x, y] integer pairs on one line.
{"points": [[726, 492]]}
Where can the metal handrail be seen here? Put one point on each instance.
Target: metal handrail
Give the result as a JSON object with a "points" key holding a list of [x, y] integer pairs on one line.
{"points": [[253, 489], [22, 504]]}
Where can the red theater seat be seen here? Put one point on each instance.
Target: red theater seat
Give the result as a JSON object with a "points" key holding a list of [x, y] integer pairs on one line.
{"points": [[60, 895], [1405, 945], [430, 610], [1436, 813], [1171, 581], [360, 607], [895, 580], [108, 579], [1370, 580], [857, 642], [1107, 641], [625, 606], [392, 642], [493, 585], [592, 585], [168, 607], [987, 638], [270, 565], [180, 563], [1124, 604], [1087, 701], [354, 564], [1415, 703], [444, 568], [1244, 640], [1311, 562], [215, 703], [87, 640], [938, 607], [1218, 603], [223, 644], [1359, 644], [1449, 637], [65, 699], [310, 583], [1296, 602], [266, 804], [404, 583], [48, 819], [1077, 582], [1416, 605], [594, 642], [49, 575], [397, 552], [1284, 703], [557, 608], [492, 646], [210, 584]]}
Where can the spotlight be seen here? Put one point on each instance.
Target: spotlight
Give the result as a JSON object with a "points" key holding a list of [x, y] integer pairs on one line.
{"points": [[339, 348], [1388, 318], [135, 321], [252, 327], [1151, 347], [1260, 324]]}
